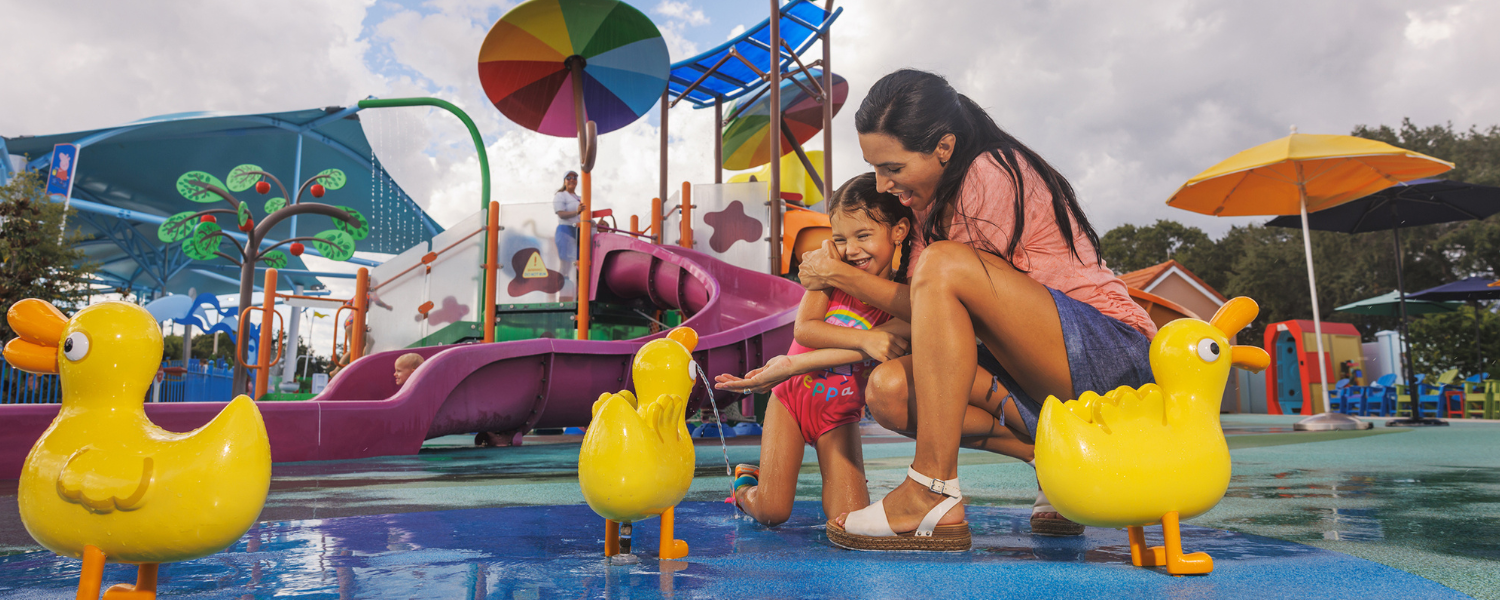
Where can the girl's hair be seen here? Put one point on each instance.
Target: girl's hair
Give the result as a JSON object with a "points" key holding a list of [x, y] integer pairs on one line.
{"points": [[859, 195], [919, 108]]}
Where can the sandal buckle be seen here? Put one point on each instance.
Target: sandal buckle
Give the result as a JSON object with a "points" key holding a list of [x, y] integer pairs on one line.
{"points": [[938, 486]]}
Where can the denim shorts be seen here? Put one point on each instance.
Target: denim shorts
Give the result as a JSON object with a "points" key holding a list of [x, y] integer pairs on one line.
{"points": [[1103, 354], [567, 244]]}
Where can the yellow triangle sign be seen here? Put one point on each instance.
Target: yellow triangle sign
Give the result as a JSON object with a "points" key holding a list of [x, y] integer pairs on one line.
{"points": [[535, 268]]}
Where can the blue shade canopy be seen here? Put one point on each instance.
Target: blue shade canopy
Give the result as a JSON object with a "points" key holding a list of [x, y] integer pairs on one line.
{"points": [[127, 175], [1472, 288], [801, 23]]}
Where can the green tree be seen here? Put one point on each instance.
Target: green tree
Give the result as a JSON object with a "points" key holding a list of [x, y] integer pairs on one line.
{"points": [[1448, 340], [35, 260], [1130, 248]]}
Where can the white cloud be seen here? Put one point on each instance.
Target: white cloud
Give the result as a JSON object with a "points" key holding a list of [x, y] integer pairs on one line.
{"points": [[681, 11], [737, 32]]}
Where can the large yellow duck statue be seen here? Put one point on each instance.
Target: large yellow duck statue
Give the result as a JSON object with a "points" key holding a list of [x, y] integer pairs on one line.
{"points": [[105, 484], [1132, 457], [637, 457]]}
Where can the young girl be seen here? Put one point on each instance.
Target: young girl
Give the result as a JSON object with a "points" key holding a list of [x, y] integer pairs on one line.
{"points": [[818, 395]]}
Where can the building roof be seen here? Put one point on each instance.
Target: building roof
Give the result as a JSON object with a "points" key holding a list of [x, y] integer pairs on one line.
{"points": [[1147, 278]]}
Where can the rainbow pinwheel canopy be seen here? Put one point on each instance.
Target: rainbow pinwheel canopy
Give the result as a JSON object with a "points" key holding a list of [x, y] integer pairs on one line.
{"points": [[525, 70]]}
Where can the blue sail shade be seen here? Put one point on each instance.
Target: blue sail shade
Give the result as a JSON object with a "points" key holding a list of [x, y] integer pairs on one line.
{"points": [[801, 23], [126, 183]]}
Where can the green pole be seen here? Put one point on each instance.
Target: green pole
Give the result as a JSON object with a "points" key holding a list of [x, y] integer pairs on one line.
{"points": [[484, 159]]}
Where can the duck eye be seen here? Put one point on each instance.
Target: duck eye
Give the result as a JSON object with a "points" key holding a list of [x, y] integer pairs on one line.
{"points": [[76, 346], [692, 367], [1208, 350]]}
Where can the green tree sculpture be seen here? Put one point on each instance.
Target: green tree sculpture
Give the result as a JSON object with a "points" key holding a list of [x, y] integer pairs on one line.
{"points": [[203, 238]]}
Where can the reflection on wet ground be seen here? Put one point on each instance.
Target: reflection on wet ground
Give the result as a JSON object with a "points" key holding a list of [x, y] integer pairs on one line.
{"points": [[534, 552], [1421, 501]]}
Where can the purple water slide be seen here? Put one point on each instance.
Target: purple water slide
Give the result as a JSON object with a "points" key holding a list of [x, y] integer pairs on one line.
{"points": [[742, 319]]}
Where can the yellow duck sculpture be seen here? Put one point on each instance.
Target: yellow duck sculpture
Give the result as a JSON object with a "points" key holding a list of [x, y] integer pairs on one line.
{"points": [[103, 482], [637, 457], [1132, 457]]}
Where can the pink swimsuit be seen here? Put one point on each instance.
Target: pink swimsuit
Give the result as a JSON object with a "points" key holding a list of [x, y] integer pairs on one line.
{"points": [[833, 397]]}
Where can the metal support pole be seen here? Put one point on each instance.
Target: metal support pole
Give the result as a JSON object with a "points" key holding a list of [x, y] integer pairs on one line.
{"points": [[1325, 420], [585, 182], [657, 236], [662, 182], [491, 269], [827, 109], [267, 323], [293, 323], [1416, 419], [686, 226], [718, 141], [774, 80], [361, 308]]}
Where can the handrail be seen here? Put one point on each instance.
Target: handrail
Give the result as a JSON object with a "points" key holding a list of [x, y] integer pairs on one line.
{"points": [[427, 259]]}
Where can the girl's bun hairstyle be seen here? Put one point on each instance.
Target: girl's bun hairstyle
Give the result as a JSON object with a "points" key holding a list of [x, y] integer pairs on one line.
{"points": [[859, 195]]}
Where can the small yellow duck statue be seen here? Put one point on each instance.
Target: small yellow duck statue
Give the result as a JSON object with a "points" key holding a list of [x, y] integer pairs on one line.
{"points": [[103, 482], [637, 457], [1132, 457]]}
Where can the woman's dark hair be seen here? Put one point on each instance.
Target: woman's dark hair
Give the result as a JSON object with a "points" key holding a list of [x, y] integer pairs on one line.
{"points": [[919, 108], [859, 195]]}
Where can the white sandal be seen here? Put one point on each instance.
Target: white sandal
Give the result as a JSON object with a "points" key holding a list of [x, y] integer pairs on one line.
{"points": [[868, 528], [1058, 526]]}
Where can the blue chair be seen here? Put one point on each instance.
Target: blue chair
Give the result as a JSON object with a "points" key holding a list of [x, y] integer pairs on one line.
{"points": [[1354, 399], [1336, 396], [1380, 398]]}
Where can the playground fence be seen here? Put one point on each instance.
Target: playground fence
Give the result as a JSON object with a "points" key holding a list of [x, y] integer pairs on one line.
{"points": [[200, 382]]}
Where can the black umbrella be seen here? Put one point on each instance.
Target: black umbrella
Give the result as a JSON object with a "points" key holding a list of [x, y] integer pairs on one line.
{"points": [[1419, 202], [1473, 290]]}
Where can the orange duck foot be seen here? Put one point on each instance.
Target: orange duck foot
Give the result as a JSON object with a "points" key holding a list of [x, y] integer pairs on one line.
{"points": [[1169, 556], [670, 547], [144, 588]]}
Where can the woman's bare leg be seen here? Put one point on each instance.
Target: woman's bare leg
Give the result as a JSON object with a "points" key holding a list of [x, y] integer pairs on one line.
{"points": [[781, 448], [958, 293], [841, 460], [893, 401]]}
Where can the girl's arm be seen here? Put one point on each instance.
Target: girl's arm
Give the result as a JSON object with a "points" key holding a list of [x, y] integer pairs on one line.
{"points": [[824, 268], [782, 368], [813, 332]]}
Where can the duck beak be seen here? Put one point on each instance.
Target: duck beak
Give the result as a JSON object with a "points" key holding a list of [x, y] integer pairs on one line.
{"points": [[685, 336], [40, 326], [1249, 357]]}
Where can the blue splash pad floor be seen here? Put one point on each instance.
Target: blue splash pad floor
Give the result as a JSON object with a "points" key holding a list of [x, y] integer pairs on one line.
{"points": [[557, 551]]}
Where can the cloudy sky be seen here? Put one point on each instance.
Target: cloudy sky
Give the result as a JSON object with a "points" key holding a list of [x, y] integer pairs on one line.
{"points": [[1127, 99]]}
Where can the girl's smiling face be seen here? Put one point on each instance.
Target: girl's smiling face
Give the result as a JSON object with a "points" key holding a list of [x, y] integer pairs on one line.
{"points": [[866, 243], [911, 176]]}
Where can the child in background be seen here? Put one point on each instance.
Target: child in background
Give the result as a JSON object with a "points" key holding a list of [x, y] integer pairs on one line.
{"points": [[405, 364], [818, 395]]}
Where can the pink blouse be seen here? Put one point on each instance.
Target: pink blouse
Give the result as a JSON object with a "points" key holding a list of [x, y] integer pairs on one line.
{"points": [[985, 211]]}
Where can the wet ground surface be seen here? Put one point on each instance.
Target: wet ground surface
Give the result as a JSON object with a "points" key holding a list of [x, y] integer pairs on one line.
{"points": [[532, 552], [1418, 501]]}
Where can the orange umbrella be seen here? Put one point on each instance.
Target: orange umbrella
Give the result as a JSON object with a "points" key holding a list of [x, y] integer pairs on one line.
{"points": [[1297, 174]]}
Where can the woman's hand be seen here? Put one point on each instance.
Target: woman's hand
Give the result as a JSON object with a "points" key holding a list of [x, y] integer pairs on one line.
{"points": [[819, 266], [759, 381], [884, 345]]}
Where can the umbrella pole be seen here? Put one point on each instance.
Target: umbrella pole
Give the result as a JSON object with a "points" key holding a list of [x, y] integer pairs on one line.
{"points": [[585, 185], [1325, 420], [1416, 419]]}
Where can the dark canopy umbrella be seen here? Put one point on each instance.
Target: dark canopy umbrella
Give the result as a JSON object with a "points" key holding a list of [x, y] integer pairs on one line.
{"points": [[1472, 289], [1418, 202]]}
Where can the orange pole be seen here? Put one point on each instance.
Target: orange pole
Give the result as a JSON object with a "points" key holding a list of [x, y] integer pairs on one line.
{"points": [[491, 268], [585, 250], [635, 224], [656, 234], [361, 303], [687, 215], [267, 323]]}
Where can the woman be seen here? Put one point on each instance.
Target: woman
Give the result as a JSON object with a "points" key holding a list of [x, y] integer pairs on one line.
{"points": [[568, 206], [1003, 254]]}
